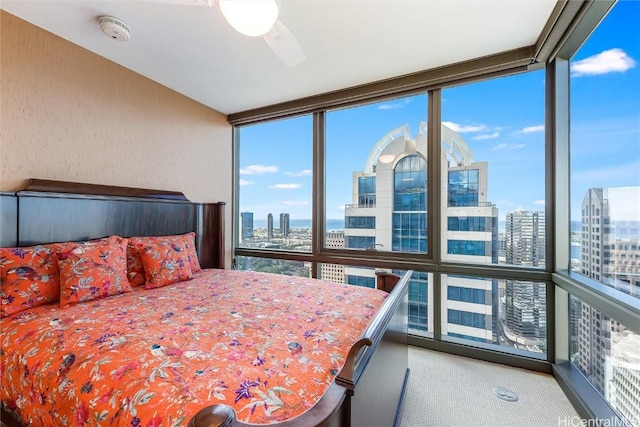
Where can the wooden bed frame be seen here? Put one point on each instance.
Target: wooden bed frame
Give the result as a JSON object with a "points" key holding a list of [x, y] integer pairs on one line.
{"points": [[369, 391]]}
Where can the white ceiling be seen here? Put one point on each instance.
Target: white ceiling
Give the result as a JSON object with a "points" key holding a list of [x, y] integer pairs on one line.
{"points": [[192, 49]]}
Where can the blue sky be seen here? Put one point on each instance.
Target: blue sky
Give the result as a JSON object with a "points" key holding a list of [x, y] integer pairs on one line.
{"points": [[502, 121]]}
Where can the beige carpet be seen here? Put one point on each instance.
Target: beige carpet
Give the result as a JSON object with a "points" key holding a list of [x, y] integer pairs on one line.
{"points": [[447, 391]]}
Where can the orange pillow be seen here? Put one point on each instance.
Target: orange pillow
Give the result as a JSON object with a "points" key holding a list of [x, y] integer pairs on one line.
{"points": [[182, 242], [189, 241], [92, 270], [64, 248], [135, 269], [29, 278], [165, 262]]}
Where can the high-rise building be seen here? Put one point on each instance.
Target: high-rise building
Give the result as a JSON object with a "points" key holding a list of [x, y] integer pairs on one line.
{"points": [[470, 230], [284, 224], [623, 374], [605, 350], [611, 237], [269, 226], [389, 212], [526, 320], [525, 238], [246, 219], [333, 272]]}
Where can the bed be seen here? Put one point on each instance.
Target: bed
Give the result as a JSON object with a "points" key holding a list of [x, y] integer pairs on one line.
{"points": [[91, 360]]}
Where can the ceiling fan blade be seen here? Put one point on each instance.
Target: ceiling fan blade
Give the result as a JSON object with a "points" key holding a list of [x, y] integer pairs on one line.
{"points": [[284, 45]]}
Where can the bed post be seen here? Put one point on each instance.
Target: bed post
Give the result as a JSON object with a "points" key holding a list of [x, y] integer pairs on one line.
{"points": [[210, 234], [213, 416], [386, 281]]}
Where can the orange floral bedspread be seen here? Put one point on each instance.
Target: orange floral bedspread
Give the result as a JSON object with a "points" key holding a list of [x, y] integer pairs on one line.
{"points": [[267, 345]]}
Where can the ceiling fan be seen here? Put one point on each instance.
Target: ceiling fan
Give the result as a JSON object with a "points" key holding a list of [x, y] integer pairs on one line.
{"points": [[256, 18]]}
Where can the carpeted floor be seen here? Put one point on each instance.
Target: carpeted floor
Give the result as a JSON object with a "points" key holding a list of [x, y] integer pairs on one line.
{"points": [[453, 391]]}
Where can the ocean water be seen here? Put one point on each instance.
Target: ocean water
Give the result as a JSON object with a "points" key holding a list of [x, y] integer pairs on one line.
{"points": [[332, 224], [575, 250]]}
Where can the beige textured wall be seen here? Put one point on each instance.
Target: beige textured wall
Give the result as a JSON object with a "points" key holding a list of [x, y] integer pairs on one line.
{"points": [[68, 114]]}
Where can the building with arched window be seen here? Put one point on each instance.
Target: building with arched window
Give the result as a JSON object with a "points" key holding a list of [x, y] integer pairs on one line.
{"points": [[390, 194]]}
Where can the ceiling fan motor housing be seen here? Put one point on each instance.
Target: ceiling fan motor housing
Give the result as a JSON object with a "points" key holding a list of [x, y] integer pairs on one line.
{"points": [[114, 28]]}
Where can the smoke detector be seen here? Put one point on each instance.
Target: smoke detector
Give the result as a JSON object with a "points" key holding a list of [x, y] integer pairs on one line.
{"points": [[114, 28]]}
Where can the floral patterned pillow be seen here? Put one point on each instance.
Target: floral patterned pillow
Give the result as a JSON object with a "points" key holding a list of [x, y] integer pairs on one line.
{"points": [[165, 261], [189, 240], [135, 269], [64, 248], [92, 270], [29, 278]]}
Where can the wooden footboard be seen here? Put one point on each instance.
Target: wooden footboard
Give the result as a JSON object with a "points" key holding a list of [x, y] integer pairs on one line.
{"points": [[369, 390]]}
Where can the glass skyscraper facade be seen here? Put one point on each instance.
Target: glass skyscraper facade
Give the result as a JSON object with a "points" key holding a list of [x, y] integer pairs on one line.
{"points": [[526, 316], [246, 219], [389, 212]]}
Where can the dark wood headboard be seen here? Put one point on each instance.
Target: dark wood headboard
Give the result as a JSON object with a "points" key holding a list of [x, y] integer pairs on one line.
{"points": [[56, 211]]}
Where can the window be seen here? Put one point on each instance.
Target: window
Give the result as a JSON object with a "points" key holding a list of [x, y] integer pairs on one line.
{"points": [[491, 211], [456, 293], [375, 174], [606, 352], [360, 222], [367, 191], [605, 207], [474, 223], [271, 265], [410, 184], [605, 136], [463, 188], [494, 171], [359, 242], [465, 247], [367, 282], [507, 315], [464, 318], [420, 303], [275, 188]]}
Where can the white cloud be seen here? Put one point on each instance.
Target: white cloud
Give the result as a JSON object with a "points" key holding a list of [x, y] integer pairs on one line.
{"points": [[487, 136], [291, 186], [341, 208], [464, 128], [296, 202], [305, 172], [506, 146], [394, 105], [539, 202], [258, 170], [609, 61], [245, 182], [530, 129]]}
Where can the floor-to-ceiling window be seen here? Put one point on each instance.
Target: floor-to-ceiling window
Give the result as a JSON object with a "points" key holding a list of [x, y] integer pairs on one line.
{"points": [[481, 227], [274, 164], [493, 212], [605, 205]]}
